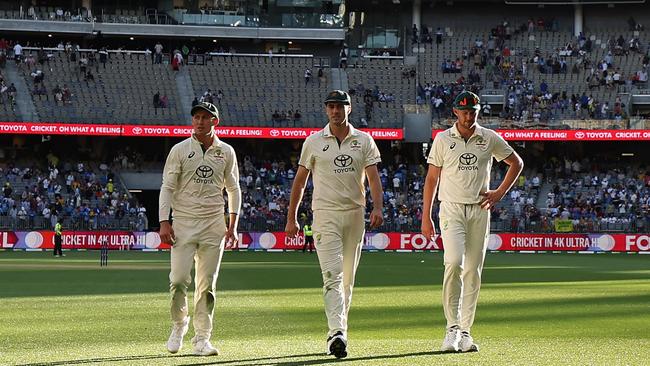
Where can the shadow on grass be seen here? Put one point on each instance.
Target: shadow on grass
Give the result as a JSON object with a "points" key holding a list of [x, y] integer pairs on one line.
{"points": [[157, 357], [104, 359], [321, 361]]}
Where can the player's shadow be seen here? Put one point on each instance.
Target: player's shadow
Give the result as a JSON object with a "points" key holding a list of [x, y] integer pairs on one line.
{"points": [[103, 359], [320, 361]]}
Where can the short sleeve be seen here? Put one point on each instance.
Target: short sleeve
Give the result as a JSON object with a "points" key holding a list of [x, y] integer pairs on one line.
{"points": [[435, 155], [307, 156], [372, 155], [501, 149]]}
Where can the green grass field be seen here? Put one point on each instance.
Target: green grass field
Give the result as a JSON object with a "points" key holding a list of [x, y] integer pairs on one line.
{"points": [[544, 309]]}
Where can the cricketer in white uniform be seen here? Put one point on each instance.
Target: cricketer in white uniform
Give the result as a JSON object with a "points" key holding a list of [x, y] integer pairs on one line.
{"points": [[339, 157], [461, 161], [196, 172]]}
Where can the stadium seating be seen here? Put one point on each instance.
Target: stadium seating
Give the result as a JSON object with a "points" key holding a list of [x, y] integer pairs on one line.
{"points": [[254, 87], [120, 93]]}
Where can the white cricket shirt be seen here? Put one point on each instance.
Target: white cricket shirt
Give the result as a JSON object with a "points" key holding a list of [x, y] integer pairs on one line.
{"points": [[466, 166], [339, 172], [193, 181]]}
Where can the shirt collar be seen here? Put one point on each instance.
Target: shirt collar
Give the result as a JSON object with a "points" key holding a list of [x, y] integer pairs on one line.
{"points": [[478, 131], [215, 139], [328, 133]]}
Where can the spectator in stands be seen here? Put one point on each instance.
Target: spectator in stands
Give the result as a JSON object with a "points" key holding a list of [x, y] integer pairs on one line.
{"points": [[157, 56], [487, 109], [156, 100], [30, 61], [67, 94], [103, 56], [177, 61], [58, 95], [7, 190], [37, 76], [195, 101], [414, 35], [89, 76], [307, 75], [343, 57], [164, 101], [18, 53]]}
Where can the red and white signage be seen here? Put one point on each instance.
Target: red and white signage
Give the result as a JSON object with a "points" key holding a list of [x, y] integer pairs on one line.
{"points": [[132, 240], [571, 135], [571, 242], [28, 128]]}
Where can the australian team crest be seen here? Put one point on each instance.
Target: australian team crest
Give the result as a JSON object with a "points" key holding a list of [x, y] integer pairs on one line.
{"points": [[355, 145], [481, 144], [218, 153]]}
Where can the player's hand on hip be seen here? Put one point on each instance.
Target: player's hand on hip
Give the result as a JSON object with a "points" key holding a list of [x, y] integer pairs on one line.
{"points": [[167, 233], [291, 229], [490, 198], [376, 218], [428, 230], [231, 239]]}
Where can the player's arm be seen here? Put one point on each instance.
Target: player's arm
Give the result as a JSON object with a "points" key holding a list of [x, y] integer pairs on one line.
{"points": [[171, 173], [377, 194], [297, 190], [231, 183], [430, 188], [515, 166]]}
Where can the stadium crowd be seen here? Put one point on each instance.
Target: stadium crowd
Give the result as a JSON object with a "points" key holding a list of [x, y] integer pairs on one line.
{"points": [[511, 70], [75, 193], [591, 196]]}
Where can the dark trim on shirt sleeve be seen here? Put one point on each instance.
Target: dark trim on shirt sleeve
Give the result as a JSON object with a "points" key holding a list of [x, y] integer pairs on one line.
{"points": [[506, 157]]}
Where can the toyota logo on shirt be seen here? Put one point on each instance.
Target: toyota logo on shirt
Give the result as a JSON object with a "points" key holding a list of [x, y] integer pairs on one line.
{"points": [[204, 171], [467, 161], [343, 162]]}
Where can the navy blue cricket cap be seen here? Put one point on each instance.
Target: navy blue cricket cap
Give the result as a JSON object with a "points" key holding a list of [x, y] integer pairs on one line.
{"points": [[338, 96], [211, 108]]}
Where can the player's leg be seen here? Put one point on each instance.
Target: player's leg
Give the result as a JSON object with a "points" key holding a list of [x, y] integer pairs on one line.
{"points": [[208, 261], [181, 259], [353, 235], [327, 229], [452, 230], [477, 238]]}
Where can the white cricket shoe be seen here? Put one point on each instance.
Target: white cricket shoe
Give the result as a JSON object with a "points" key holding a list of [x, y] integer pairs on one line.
{"points": [[175, 341], [203, 347], [466, 343], [450, 343]]}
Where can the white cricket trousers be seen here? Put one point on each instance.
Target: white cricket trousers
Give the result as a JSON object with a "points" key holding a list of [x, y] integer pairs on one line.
{"points": [[338, 236], [465, 230], [199, 241]]}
